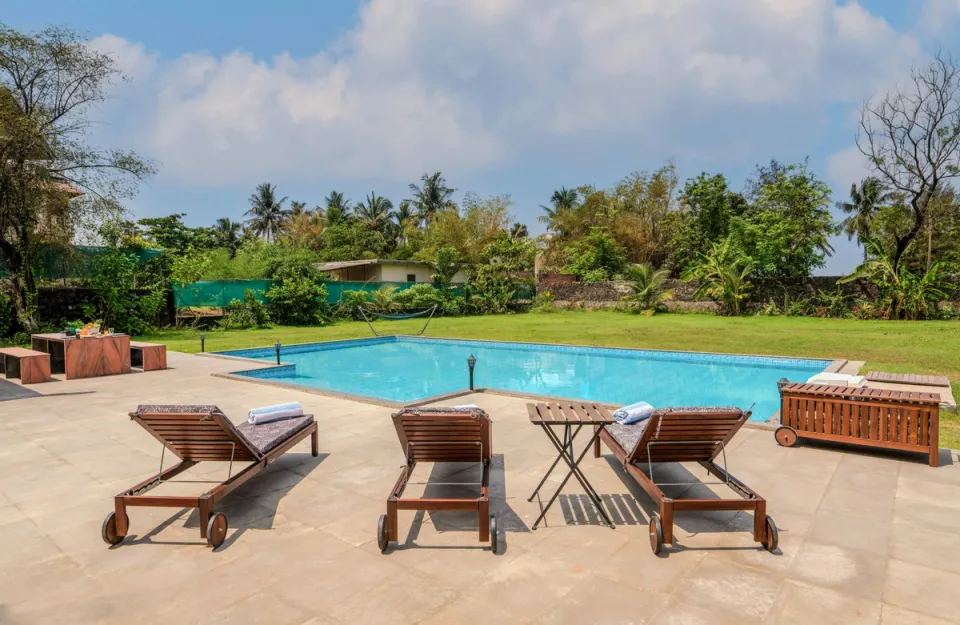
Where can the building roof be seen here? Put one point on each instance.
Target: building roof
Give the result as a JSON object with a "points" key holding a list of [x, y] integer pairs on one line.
{"points": [[343, 264]]}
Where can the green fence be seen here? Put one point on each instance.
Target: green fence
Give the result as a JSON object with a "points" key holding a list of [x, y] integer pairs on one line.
{"points": [[56, 262], [220, 293]]}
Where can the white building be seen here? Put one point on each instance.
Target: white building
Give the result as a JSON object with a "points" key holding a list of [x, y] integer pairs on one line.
{"points": [[384, 270]]}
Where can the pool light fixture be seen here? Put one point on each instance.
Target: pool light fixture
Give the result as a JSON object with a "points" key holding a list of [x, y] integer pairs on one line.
{"points": [[471, 363], [277, 345], [203, 337]]}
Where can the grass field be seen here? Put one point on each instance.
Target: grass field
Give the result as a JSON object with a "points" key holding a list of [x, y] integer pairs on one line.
{"points": [[918, 347]]}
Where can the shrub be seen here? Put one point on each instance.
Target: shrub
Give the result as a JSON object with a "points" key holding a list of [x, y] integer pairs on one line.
{"points": [[114, 303], [297, 298], [648, 286], [350, 304], [247, 313], [724, 276]]}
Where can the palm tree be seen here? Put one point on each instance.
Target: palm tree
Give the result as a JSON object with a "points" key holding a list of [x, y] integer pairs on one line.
{"points": [[519, 231], [267, 214], [723, 275], [298, 208], [862, 208], [375, 213], [564, 202], [229, 233], [432, 196], [338, 208], [648, 285], [303, 229]]}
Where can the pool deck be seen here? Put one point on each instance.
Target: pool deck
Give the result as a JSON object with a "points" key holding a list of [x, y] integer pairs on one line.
{"points": [[864, 537]]}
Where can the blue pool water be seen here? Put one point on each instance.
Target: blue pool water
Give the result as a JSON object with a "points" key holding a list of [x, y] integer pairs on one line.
{"points": [[408, 368]]}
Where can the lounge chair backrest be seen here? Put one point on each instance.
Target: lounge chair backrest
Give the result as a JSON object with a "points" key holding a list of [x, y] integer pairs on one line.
{"points": [[688, 433], [444, 434], [197, 433]]}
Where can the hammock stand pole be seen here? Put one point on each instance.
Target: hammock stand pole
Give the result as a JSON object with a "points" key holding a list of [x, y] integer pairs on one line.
{"points": [[432, 311]]}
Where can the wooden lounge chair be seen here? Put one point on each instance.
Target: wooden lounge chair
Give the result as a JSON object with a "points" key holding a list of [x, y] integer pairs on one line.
{"points": [[203, 433], [441, 435], [686, 434]]}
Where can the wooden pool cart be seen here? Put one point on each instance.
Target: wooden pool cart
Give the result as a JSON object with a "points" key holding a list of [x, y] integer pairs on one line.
{"points": [[203, 433], [441, 435], [686, 434]]}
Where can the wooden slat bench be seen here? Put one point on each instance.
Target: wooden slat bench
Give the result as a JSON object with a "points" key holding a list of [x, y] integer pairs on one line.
{"points": [[148, 356], [908, 378], [28, 365], [904, 420]]}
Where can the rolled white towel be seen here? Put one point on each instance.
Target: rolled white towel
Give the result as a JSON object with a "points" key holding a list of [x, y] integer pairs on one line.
{"points": [[633, 413], [838, 378], [267, 414]]}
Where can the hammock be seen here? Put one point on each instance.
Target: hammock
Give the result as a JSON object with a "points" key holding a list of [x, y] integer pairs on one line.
{"points": [[395, 316]]}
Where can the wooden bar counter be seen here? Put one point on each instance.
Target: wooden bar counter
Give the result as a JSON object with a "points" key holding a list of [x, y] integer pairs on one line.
{"points": [[85, 357]]}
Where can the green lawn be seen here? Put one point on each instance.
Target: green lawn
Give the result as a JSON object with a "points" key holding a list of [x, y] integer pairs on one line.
{"points": [[919, 347]]}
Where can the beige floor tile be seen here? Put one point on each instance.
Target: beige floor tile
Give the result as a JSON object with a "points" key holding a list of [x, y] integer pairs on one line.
{"points": [[924, 491], [873, 502], [675, 612], [407, 598], [262, 608], [799, 604], [730, 589], [933, 516], [922, 589], [852, 531], [469, 611], [921, 545], [601, 603], [842, 569], [895, 615]]}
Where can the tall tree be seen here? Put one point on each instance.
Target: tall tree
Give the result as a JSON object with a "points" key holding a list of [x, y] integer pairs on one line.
{"points": [[52, 181], [338, 208], [518, 231], [432, 196], [562, 216], [298, 208], [228, 232], [267, 214], [912, 138], [862, 208], [375, 212]]}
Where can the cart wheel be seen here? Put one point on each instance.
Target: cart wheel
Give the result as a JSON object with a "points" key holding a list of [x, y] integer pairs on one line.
{"points": [[786, 436], [109, 529], [382, 541], [217, 530], [771, 537], [656, 535], [494, 540]]}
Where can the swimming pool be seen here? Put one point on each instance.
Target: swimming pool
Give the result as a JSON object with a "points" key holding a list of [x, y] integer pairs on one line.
{"points": [[404, 368]]}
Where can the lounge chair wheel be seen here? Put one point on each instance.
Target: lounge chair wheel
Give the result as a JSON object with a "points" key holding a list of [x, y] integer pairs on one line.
{"points": [[771, 537], [656, 535], [382, 540], [493, 534], [217, 530], [786, 436], [109, 529]]}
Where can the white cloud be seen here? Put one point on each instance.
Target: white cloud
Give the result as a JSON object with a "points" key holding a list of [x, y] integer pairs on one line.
{"points": [[465, 85], [846, 167]]}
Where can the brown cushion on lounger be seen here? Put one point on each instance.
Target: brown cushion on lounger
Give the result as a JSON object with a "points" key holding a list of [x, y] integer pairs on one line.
{"points": [[627, 435], [177, 408], [266, 436]]}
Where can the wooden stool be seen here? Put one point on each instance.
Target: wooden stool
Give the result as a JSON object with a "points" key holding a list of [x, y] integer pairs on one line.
{"points": [[148, 356], [28, 365]]}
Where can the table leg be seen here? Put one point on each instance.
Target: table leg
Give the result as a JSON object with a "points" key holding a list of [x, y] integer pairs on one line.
{"points": [[575, 470], [567, 440]]}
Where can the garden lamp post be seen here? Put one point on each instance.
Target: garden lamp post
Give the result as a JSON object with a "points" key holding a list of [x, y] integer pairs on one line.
{"points": [[203, 337], [277, 345], [471, 363]]}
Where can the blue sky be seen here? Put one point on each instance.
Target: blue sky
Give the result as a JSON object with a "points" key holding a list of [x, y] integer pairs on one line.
{"points": [[511, 97]]}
